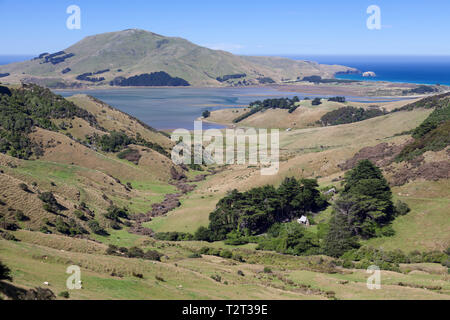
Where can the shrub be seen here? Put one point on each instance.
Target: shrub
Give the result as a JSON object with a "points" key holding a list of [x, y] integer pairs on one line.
{"points": [[5, 272], [24, 187], [347, 264], [20, 216], [9, 236], [7, 225], [267, 270], [153, 255], [159, 278], [45, 229], [174, 236], [114, 213], [135, 252], [447, 251], [401, 208], [112, 250], [61, 226], [123, 250], [64, 294], [50, 203], [95, 227], [194, 255], [226, 254], [79, 214], [216, 277], [237, 257], [240, 273]]}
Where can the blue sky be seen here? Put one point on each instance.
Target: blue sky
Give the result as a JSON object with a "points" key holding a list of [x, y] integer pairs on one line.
{"points": [[296, 27]]}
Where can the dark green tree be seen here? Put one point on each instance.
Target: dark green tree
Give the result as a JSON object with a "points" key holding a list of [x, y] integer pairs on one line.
{"points": [[366, 199], [339, 238]]}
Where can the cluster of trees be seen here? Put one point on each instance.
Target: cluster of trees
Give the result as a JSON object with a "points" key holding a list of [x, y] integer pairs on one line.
{"points": [[206, 114], [365, 256], [31, 106], [174, 236], [265, 80], [318, 79], [134, 252], [223, 253], [316, 101], [337, 99], [290, 238], [422, 89], [114, 142], [364, 209], [50, 203], [5, 90], [253, 212], [277, 103], [280, 103], [433, 134], [88, 77], [55, 58], [70, 228], [349, 115], [231, 76], [115, 215], [117, 141], [160, 78]]}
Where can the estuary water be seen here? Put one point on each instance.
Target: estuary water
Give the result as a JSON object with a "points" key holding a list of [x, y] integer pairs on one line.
{"points": [[173, 108], [179, 107]]}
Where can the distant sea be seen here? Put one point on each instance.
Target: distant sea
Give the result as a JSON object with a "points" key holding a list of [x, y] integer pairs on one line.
{"points": [[6, 59], [412, 69]]}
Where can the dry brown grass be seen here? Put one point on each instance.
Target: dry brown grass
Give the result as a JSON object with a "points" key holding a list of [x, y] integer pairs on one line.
{"points": [[113, 119]]}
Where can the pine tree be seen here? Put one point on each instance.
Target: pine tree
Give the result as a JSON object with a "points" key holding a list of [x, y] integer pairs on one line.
{"points": [[339, 238], [367, 187]]}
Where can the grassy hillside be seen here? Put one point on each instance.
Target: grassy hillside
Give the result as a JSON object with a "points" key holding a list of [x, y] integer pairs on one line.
{"points": [[133, 52], [88, 181], [305, 115]]}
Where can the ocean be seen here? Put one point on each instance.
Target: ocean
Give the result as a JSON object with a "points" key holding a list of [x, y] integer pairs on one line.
{"points": [[411, 69], [7, 59]]}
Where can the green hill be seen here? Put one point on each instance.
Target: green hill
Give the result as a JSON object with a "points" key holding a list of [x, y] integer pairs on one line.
{"points": [[101, 58]]}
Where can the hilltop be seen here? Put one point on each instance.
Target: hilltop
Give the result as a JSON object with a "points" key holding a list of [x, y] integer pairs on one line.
{"points": [[118, 56]]}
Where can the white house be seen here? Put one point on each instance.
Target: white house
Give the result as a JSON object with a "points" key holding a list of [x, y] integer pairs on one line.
{"points": [[303, 220]]}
